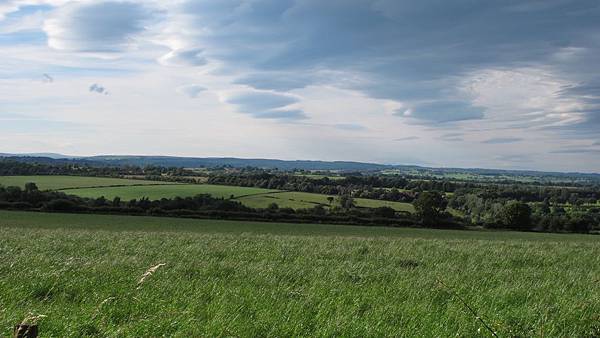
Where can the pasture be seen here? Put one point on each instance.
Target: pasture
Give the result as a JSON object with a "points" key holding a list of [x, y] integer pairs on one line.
{"points": [[226, 278], [155, 192], [58, 182], [299, 200]]}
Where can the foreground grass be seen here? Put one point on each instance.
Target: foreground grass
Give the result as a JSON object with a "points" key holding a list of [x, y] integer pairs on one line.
{"points": [[246, 279]]}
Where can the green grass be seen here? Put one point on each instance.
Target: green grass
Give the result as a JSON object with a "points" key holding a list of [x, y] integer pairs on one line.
{"points": [[167, 191], [225, 278], [299, 200], [55, 182]]}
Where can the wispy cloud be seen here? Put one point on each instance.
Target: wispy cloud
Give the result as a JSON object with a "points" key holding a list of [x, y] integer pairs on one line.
{"points": [[350, 126], [406, 138], [502, 140]]}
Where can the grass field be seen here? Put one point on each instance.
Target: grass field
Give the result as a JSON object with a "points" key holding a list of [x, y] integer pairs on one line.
{"points": [[298, 200], [168, 191], [56, 182], [245, 279]]}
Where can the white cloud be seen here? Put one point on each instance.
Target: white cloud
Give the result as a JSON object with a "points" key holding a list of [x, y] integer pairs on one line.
{"points": [[185, 57], [525, 97]]}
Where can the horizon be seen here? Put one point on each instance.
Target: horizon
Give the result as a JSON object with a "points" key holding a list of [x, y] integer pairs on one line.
{"points": [[492, 85], [69, 156]]}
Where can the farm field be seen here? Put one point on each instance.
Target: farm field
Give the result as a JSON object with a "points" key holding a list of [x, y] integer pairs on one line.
{"points": [[226, 278], [168, 191], [57, 182], [298, 200]]}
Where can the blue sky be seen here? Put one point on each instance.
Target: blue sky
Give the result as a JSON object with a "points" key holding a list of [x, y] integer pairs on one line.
{"points": [[495, 84]]}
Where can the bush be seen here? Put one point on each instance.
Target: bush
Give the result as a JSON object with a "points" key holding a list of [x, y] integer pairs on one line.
{"points": [[60, 205]]}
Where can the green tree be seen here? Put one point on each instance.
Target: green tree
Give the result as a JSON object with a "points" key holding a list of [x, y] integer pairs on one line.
{"points": [[430, 206], [516, 215], [346, 201], [30, 187]]}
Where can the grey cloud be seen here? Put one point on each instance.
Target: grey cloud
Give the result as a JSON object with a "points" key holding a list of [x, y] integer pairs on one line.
{"points": [[103, 27], [410, 51], [349, 126], [295, 114], [406, 138], [259, 101], [266, 105], [452, 137], [96, 88], [502, 140], [273, 81], [576, 151]]}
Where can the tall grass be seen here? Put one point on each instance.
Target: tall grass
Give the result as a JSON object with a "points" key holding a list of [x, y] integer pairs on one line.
{"points": [[224, 279]]}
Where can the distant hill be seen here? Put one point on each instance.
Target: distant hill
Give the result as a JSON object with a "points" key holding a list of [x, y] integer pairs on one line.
{"points": [[348, 166], [195, 162], [48, 155]]}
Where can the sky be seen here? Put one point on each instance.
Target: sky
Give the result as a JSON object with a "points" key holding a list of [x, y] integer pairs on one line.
{"points": [[462, 83]]}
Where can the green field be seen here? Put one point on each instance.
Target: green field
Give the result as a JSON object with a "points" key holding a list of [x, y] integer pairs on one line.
{"points": [[56, 182], [298, 200], [168, 191], [245, 279]]}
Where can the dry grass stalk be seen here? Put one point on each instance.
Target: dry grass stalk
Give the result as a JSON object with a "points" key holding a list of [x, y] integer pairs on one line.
{"points": [[149, 273], [31, 319]]}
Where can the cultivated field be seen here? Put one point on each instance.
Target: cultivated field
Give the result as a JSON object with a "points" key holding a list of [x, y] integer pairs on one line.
{"points": [[224, 278]]}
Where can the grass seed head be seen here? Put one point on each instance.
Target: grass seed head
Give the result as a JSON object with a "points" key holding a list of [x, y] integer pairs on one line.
{"points": [[149, 273]]}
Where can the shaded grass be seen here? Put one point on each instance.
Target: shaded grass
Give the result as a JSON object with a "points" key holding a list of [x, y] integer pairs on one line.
{"points": [[225, 278], [56, 182]]}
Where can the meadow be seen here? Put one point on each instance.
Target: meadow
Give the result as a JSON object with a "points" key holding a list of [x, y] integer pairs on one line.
{"points": [[299, 200], [58, 182], [225, 278]]}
